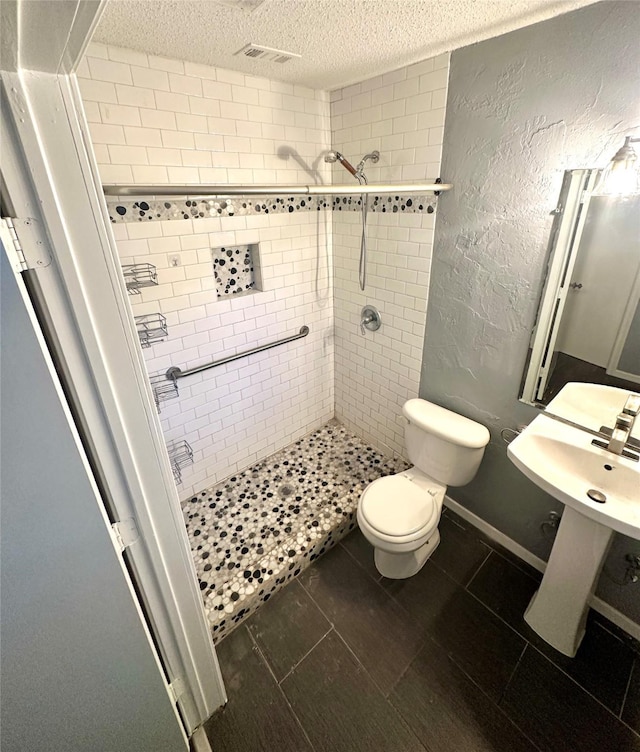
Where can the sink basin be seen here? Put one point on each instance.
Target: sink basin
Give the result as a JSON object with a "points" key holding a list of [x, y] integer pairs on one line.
{"points": [[601, 493], [590, 405], [563, 462]]}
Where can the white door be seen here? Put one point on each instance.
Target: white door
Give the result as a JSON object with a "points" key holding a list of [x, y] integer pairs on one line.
{"points": [[603, 280], [79, 669], [625, 354], [567, 259], [52, 187], [572, 211]]}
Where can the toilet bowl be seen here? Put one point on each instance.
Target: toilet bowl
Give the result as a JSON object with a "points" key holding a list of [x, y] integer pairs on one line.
{"points": [[399, 514]]}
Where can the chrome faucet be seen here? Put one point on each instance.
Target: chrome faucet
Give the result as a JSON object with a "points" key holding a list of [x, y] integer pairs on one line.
{"points": [[624, 425]]}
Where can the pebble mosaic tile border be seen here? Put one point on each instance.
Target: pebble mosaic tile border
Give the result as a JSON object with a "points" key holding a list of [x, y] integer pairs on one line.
{"points": [[142, 211], [254, 532]]}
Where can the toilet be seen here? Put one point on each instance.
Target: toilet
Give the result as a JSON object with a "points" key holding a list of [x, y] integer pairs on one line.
{"points": [[399, 514]]}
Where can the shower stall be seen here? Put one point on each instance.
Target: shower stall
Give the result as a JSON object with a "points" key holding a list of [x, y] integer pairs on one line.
{"points": [[275, 409]]}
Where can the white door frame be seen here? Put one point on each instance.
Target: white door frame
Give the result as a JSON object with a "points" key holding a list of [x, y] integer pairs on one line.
{"points": [[565, 244], [51, 178]]}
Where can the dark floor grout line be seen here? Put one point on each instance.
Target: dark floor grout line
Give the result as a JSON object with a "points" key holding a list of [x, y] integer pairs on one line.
{"points": [[411, 662], [334, 627], [455, 521], [315, 645], [477, 686], [626, 691], [382, 694], [584, 689], [366, 670], [515, 561], [427, 563], [551, 661], [482, 563], [351, 556], [377, 582], [633, 731], [490, 543], [497, 615], [346, 550], [513, 673], [280, 690], [627, 640]]}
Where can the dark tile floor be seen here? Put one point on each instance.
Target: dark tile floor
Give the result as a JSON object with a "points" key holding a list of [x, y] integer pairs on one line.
{"points": [[344, 660]]}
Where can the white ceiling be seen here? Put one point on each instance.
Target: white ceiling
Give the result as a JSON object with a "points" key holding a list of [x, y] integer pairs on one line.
{"points": [[341, 41]]}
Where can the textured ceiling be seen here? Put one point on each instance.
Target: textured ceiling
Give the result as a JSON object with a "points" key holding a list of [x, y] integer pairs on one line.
{"points": [[341, 41]]}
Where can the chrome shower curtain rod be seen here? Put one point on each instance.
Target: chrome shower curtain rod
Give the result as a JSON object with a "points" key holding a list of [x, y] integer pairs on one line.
{"points": [[207, 190]]}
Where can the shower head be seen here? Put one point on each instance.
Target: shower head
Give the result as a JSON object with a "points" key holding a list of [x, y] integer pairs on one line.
{"points": [[374, 156], [335, 156]]}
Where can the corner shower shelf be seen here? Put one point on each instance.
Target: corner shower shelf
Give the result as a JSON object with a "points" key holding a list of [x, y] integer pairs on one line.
{"points": [[180, 456], [163, 389], [151, 327], [137, 276]]}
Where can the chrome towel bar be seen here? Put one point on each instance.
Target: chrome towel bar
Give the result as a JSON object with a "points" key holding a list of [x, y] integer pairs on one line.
{"points": [[174, 373]]}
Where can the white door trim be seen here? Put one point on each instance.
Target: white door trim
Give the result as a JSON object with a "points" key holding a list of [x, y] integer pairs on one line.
{"points": [[560, 265], [50, 175]]}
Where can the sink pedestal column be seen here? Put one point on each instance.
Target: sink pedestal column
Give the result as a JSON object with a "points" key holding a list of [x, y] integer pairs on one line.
{"points": [[558, 610]]}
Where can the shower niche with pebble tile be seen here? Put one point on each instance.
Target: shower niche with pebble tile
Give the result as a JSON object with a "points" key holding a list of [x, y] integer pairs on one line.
{"points": [[237, 270]]}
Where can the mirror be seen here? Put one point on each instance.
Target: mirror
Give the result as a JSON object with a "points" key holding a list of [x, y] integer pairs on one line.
{"points": [[588, 323]]}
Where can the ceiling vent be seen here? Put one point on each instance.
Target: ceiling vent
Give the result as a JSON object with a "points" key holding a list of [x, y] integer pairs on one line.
{"points": [[248, 6], [268, 54]]}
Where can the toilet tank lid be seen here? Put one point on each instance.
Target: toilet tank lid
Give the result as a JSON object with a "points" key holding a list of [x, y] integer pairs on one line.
{"points": [[446, 424]]}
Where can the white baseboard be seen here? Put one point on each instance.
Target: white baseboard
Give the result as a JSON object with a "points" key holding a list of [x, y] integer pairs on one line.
{"points": [[608, 611]]}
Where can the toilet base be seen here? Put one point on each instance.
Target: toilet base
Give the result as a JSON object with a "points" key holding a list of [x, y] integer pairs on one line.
{"points": [[403, 565]]}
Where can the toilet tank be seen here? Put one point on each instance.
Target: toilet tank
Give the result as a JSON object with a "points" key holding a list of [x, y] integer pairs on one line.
{"points": [[442, 444]]}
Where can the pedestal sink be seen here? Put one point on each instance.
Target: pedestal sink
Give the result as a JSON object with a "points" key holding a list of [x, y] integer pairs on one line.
{"points": [[601, 492]]}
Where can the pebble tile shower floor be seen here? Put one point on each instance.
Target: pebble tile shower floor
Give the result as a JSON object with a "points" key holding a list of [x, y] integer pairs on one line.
{"points": [[255, 531]]}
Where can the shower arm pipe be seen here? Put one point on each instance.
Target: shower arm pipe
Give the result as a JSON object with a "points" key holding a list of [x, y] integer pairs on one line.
{"points": [[224, 191], [174, 373]]}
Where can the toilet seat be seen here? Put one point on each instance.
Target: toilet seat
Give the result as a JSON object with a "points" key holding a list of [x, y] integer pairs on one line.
{"points": [[398, 509]]}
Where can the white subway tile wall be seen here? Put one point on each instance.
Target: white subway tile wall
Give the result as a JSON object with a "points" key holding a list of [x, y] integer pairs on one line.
{"points": [[401, 114], [155, 120]]}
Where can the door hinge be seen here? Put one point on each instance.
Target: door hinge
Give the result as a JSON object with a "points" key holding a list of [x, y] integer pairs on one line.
{"points": [[176, 689], [125, 533], [29, 243]]}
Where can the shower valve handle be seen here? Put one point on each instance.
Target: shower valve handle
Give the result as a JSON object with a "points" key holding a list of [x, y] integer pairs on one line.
{"points": [[370, 319], [364, 323]]}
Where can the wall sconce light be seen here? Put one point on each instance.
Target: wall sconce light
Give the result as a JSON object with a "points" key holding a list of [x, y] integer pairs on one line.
{"points": [[620, 177]]}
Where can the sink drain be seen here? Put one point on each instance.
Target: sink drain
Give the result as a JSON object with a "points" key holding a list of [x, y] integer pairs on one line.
{"points": [[286, 490], [596, 496]]}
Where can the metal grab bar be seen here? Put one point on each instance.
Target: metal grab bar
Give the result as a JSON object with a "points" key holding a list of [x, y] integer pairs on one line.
{"points": [[174, 373]]}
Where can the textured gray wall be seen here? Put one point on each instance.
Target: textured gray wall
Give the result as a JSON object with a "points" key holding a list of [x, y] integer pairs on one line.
{"points": [[522, 108]]}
